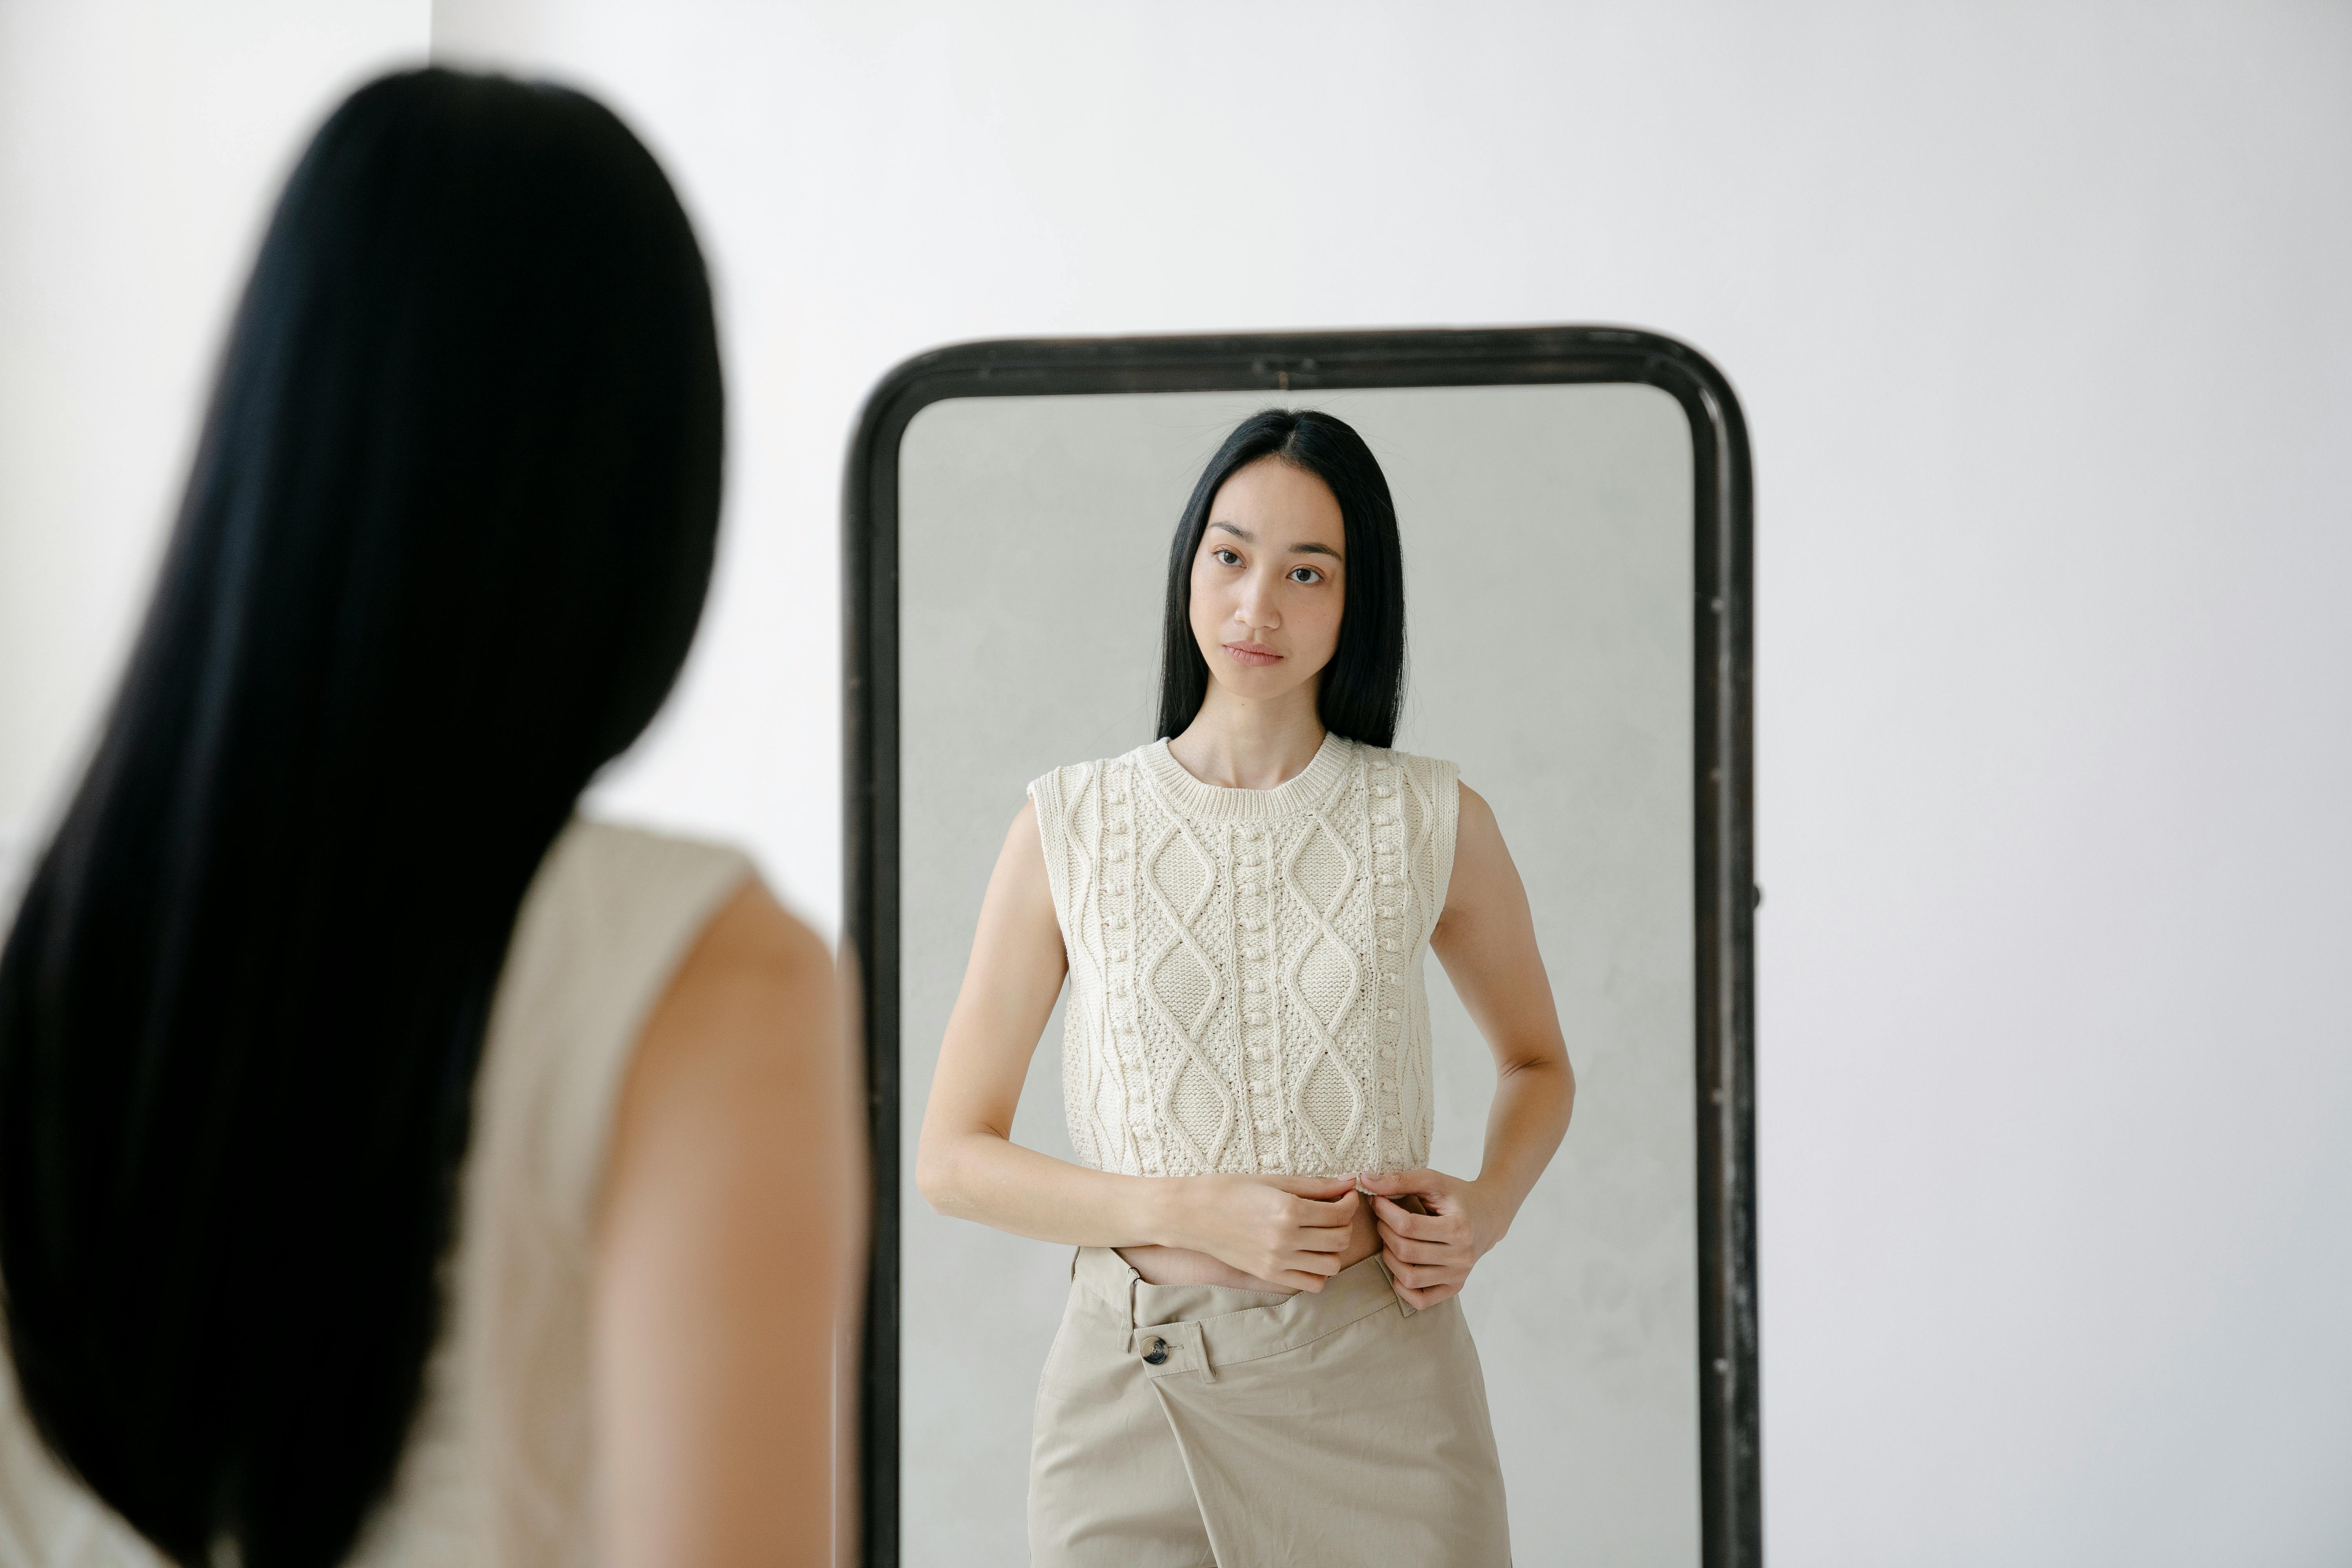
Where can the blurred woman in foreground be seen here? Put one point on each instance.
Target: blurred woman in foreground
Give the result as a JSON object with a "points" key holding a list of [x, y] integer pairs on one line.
{"points": [[396, 1167]]}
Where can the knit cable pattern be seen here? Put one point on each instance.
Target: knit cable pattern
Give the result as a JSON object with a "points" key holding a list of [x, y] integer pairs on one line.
{"points": [[1245, 984]]}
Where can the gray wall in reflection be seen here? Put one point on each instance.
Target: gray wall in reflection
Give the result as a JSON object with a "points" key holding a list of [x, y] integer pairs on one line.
{"points": [[1546, 537]]}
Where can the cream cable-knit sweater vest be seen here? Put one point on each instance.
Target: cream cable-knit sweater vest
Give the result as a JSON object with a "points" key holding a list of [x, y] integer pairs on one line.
{"points": [[1246, 988]]}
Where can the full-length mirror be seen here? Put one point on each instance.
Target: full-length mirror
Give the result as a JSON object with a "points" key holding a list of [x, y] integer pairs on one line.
{"points": [[1571, 522]]}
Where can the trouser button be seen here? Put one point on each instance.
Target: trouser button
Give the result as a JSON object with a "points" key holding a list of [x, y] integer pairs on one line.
{"points": [[1157, 1353]]}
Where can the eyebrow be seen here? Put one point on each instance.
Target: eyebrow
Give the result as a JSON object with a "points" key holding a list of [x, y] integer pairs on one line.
{"points": [[1244, 534]]}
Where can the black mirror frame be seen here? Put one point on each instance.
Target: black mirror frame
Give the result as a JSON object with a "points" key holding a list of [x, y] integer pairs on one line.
{"points": [[1731, 1528]]}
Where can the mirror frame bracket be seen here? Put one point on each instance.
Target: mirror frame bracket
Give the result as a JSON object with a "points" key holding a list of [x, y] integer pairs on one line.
{"points": [[1731, 1514]]}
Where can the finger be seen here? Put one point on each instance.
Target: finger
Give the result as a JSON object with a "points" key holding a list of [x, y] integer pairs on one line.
{"points": [[1422, 1227], [1319, 1238], [1299, 1280], [1321, 1188], [1413, 1251], [1442, 1202], [1402, 1182], [1422, 1276], [1419, 1300], [1414, 1276], [1322, 1264], [1301, 1215], [1341, 1212]]}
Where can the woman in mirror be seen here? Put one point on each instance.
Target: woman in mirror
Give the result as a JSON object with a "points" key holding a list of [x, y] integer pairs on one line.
{"points": [[1262, 1357], [396, 1167]]}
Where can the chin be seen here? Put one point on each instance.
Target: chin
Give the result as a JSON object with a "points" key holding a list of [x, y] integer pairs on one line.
{"points": [[1259, 684]]}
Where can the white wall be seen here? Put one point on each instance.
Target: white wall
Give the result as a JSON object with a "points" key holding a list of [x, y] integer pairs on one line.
{"points": [[141, 142], [2038, 313]]}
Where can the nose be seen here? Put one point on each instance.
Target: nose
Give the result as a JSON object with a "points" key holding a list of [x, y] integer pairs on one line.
{"points": [[1254, 609]]}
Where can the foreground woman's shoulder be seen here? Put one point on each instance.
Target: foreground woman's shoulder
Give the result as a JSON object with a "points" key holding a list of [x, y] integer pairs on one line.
{"points": [[744, 1045], [608, 918], [626, 933], [728, 936], [753, 943], [592, 856]]}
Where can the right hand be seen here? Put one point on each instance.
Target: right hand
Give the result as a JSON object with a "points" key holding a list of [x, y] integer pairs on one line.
{"points": [[1289, 1231]]}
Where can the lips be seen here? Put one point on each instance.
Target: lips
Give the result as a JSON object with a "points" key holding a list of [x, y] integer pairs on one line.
{"points": [[1252, 653]]}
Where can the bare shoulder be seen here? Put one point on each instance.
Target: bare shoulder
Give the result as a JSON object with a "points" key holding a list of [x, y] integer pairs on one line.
{"points": [[754, 942], [1020, 874], [1475, 816], [1484, 882], [1477, 838], [752, 1010], [741, 1085]]}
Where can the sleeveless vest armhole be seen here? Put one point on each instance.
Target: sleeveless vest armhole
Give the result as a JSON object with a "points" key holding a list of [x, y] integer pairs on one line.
{"points": [[606, 926], [1053, 828], [1445, 790]]}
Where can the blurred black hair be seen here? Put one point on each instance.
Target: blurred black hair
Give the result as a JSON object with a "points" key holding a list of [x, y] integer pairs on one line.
{"points": [[444, 547], [1363, 686]]}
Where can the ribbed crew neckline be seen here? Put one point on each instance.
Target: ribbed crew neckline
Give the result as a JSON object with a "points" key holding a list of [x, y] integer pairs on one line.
{"points": [[1302, 792]]}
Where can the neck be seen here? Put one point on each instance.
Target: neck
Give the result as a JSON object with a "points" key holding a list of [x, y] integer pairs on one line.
{"points": [[1239, 744]]}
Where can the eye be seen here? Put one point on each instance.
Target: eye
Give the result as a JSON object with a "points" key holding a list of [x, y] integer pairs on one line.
{"points": [[1305, 574], [1226, 558]]}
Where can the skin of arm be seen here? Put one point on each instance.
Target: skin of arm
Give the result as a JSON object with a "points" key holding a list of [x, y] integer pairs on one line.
{"points": [[1485, 938], [1288, 1230], [728, 1242]]}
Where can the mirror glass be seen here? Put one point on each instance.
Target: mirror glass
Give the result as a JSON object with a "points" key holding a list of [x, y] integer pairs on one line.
{"points": [[1548, 537]]}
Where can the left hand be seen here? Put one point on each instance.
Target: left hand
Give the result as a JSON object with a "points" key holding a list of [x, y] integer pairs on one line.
{"points": [[1430, 1255]]}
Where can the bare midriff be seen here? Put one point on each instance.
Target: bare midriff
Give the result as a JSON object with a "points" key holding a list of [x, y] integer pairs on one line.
{"points": [[1184, 1266]]}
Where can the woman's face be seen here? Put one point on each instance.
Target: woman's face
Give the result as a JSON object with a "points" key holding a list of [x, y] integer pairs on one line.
{"points": [[1269, 581]]}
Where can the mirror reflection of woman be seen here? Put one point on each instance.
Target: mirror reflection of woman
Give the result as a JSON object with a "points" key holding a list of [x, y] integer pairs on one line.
{"points": [[1263, 1358]]}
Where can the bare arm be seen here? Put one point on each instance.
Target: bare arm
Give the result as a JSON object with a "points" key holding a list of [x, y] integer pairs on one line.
{"points": [[726, 1250], [967, 1164], [1486, 938]]}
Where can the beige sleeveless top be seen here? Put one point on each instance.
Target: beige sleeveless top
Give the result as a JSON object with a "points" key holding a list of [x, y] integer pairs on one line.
{"points": [[1245, 986], [496, 1467]]}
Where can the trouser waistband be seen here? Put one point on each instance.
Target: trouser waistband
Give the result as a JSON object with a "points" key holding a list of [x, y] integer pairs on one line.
{"points": [[1199, 1328]]}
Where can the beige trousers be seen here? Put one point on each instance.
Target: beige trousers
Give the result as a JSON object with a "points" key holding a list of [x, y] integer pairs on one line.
{"points": [[1194, 1427]]}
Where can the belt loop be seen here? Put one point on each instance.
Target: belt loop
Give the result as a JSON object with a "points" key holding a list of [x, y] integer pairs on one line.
{"points": [[1133, 1279], [1200, 1338]]}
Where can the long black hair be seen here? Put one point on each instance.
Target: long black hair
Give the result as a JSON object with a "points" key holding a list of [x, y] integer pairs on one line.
{"points": [[444, 544], [1363, 686]]}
